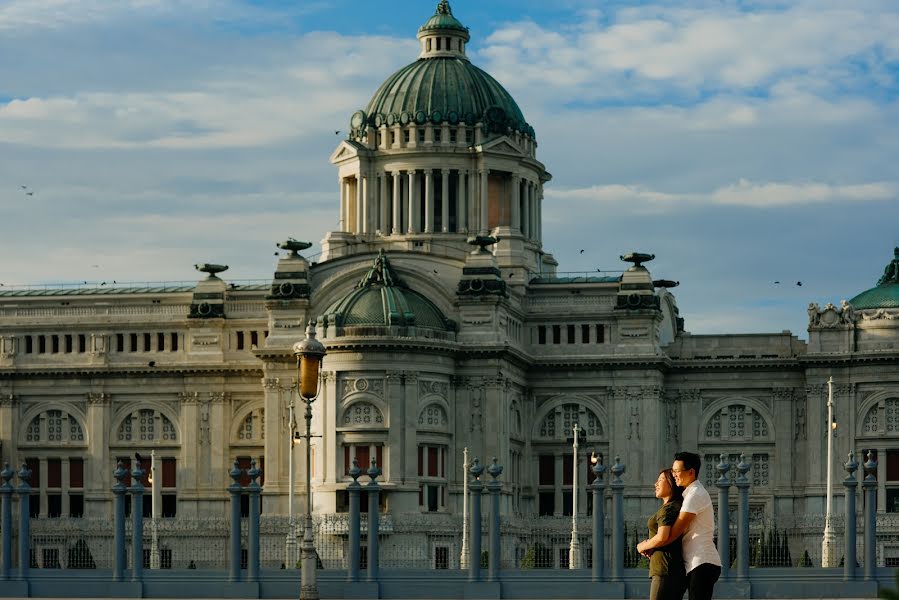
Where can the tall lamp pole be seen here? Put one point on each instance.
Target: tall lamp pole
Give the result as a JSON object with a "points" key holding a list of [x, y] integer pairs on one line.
{"points": [[291, 545], [463, 559], [309, 353], [155, 501], [574, 551], [827, 544]]}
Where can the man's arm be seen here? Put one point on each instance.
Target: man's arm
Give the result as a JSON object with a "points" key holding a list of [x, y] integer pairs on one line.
{"points": [[680, 526]]}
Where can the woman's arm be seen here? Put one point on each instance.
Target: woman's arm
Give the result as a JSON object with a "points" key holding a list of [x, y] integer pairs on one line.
{"points": [[657, 541]]}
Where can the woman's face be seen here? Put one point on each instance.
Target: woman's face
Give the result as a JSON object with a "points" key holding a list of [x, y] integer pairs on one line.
{"points": [[663, 488]]}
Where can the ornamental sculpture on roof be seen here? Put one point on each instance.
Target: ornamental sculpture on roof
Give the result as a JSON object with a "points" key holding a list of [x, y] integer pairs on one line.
{"points": [[381, 273], [443, 8], [891, 272]]}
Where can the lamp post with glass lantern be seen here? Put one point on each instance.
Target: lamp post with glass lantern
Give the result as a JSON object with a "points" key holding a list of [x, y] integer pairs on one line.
{"points": [[309, 353]]}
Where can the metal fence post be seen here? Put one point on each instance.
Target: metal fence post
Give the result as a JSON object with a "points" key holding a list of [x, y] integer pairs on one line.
{"points": [[870, 487], [850, 483], [137, 519], [474, 542], [617, 520], [494, 487], [742, 484], [24, 491], [724, 484], [373, 515], [355, 523], [599, 540], [118, 500], [234, 490], [253, 523], [6, 491]]}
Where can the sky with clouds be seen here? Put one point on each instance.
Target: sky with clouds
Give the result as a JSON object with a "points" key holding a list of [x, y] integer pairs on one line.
{"points": [[742, 141]]}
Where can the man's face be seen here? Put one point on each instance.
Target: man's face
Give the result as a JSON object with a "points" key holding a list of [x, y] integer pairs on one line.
{"points": [[682, 477]]}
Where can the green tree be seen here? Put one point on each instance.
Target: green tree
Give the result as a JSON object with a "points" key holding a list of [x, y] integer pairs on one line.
{"points": [[889, 593]]}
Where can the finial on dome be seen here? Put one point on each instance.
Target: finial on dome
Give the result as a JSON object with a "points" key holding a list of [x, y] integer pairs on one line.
{"points": [[443, 8]]}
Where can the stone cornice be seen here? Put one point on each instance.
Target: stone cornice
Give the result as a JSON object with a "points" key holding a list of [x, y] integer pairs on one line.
{"points": [[114, 371]]}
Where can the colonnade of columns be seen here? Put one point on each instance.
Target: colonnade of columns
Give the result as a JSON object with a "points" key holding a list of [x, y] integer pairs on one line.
{"points": [[432, 201]]}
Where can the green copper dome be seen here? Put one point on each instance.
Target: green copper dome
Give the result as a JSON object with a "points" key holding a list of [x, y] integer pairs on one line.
{"points": [[382, 299], [442, 86], [886, 294]]}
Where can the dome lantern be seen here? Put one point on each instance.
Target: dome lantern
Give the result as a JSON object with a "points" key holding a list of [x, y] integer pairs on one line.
{"points": [[443, 35]]}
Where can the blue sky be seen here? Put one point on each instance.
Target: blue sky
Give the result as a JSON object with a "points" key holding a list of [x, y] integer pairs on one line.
{"points": [[743, 142]]}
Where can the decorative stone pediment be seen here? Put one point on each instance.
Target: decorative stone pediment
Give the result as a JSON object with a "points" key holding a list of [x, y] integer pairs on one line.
{"points": [[501, 145], [347, 150]]}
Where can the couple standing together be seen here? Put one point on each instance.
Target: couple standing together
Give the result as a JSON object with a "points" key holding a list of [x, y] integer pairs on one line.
{"points": [[681, 549]]}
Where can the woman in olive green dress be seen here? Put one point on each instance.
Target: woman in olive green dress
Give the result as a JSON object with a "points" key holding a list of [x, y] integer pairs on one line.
{"points": [[666, 561]]}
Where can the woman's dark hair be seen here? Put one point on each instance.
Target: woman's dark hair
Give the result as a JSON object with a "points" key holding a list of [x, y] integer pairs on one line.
{"points": [[677, 492]]}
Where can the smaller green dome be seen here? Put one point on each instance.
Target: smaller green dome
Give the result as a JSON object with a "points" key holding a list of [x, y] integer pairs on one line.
{"points": [[886, 294], [382, 299], [443, 19]]}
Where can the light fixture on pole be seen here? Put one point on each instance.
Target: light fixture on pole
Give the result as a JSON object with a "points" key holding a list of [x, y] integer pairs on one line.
{"points": [[309, 353], [828, 543], [290, 558], [574, 550], [463, 558]]}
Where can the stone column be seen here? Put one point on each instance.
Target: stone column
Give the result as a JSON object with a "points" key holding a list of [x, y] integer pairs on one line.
{"points": [[96, 476], [6, 491], [723, 484], [24, 492], [396, 400], [383, 206], [396, 203], [869, 485], [483, 199], [618, 521], [444, 201], [413, 210], [526, 209], [849, 539], [429, 201], [474, 536], [365, 218], [137, 522], [234, 544], [516, 203], [66, 477], [742, 484], [119, 489], [472, 220], [494, 487], [353, 489], [539, 217], [599, 488], [341, 222], [373, 490]]}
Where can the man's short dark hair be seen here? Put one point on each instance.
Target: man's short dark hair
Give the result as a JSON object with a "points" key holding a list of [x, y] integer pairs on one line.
{"points": [[691, 460]]}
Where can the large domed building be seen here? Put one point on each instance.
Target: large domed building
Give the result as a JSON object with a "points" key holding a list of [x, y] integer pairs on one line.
{"points": [[447, 328]]}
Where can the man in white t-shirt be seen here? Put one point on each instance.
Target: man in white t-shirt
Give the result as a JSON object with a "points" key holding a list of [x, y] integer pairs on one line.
{"points": [[696, 523]]}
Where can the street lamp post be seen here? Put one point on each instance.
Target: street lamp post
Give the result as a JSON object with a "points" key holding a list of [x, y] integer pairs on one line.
{"points": [[574, 551], [463, 559], [827, 544], [155, 500], [291, 544], [309, 353]]}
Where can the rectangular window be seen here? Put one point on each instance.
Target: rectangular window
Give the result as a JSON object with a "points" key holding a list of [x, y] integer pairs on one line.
{"points": [[453, 135], [76, 505], [54, 343], [160, 342], [133, 342], [169, 506], [147, 339], [174, 345], [567, 475], [566, 504], [433, 490], [421, 136], [571, 339], [68, 344], [240, 342], [41, 344], [585, 334], [541, 334], [254, 339], [547, 504], [892, 465], [439, 43], [54, 473], [547, 469], [437, 132], [406, 136], [469, 136], [120, 342], [76, 472], [54, 505], [421, 460], [557, 334], [432, 462], [363, 457], [169, 473], [29, 344], [392, 138], [600, 334], [82, 343]]}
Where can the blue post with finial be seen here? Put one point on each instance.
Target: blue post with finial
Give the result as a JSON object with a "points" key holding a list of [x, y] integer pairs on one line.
{"points": [[850, 483], [254, 490], [494, 487], [24, 491], [474, 535], [234, 550], [617, 520], [118, 500], [599, 488], [742, 484], [137, 521], [373, 490], [723, 483], [870, 487], [6, 491], [354, 490]]}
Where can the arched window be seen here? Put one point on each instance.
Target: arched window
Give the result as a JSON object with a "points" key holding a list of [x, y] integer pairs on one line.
{"points": [[54, 427], [146, 425], [363, 414], [433, 417], [252, 428]]}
